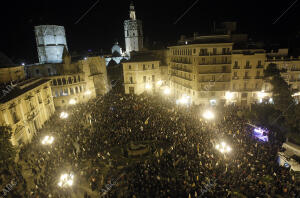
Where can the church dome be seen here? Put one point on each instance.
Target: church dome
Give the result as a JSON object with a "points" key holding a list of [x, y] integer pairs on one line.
{"points": [[116, 49]]}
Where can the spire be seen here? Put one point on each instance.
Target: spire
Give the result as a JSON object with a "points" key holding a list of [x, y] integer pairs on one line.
{"points": [[132, 11]]}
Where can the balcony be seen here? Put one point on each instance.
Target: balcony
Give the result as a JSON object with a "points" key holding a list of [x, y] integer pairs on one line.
{"points": [[235, 77], [247, 67], [259, 66], [236, 67], [258, 77], [295, 69], [182, 69], [247, 77], [182, 77], [214, 72]]}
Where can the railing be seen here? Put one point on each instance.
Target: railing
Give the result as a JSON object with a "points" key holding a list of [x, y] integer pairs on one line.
{"points": [[258, 77], [236, 67], [247, 77], [235, 78], [248, 67], [259, 66], [182, 77]]}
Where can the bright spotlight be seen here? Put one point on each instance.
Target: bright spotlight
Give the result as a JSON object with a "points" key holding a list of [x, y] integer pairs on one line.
{"points": [[63, 115], [48, 140], [208, 115], [23, 64], [88, 92], [223, 147], [85, 58], [72, 102], [183, 100], [66, 180], [167, 91], [228, 95], [159, 83], [261, 94], [148, 86]]}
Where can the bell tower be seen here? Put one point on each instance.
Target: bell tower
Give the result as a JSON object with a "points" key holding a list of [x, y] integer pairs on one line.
{"points": [[133, 32]]}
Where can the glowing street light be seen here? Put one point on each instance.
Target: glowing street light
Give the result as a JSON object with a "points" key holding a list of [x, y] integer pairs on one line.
{"points": [[47, 140], [63, 115], [183, 100], [261, 94], [23, 64], [72, 102], [66, 180], [88, 92], [167, 91], [85, 58], [208, 115], [159, 83], [223, 147], [228, 95], [148, 86]]}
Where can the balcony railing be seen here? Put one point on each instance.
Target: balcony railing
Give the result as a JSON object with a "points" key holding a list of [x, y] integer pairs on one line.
{"points": [[258, 77], [248, 67], [259, 66], [236, 67], [235, 78], [247, 77]]}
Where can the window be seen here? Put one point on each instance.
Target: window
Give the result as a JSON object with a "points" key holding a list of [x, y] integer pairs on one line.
{"points": [[75, 80], [56, 93], [258, 73], [203, 60], [194, 51], [152, 66], [214, 61], [235, 63], [80, 88], [76, 89], [71, 91], [49, 71], [259, 63], [37, 71], [59, 81], [54, 82], [78, 78], [246, 74], [129, 66], [233, 86], [63, 81], [144, 79], [214, 51], [224, 69], [223, 50], [61, 92], [153, 78], [131, 80], [245, 85], [62, 101], [65, 92], [144, 67], [70, 80], [235, 74], [247, 63]]}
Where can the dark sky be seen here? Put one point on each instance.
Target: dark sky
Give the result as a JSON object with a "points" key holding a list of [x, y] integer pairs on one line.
{"points": [[103, 25]]}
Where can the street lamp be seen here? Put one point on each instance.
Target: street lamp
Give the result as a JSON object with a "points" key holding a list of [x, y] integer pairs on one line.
{"points": [[167, 91], [66, 180], [88, 92], [148, 86], [159, 83], [47, 140], [208, 115], [183, 100], [72, 102], [63, 115], [223, 147], [228, 95]]}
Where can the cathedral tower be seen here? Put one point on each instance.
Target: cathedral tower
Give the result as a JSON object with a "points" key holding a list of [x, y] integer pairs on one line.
{"points": [[133, 32]]}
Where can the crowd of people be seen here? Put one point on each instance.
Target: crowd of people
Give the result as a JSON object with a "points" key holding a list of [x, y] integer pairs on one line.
{"points": [[182, 162]]}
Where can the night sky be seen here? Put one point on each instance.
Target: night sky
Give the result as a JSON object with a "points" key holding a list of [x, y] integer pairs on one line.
{"points": [[103, 25]]}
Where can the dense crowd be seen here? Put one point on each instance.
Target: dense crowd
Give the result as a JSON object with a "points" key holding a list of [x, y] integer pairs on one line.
{"points": [[182, 159]]}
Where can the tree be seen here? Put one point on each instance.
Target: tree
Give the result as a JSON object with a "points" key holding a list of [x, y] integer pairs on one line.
{"points": [[282, 97], [7, 151]]}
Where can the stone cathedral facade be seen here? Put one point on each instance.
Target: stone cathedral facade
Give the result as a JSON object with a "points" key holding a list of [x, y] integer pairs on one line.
{"points": [[133, 32]]}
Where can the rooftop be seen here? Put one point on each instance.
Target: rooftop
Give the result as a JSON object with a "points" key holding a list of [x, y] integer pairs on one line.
{"points": [[21, 88]]}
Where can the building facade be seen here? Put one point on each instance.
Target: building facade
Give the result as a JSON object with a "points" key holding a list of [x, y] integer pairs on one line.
{"points": [[11, 74], [73, 82], [133, 32], [201, 69], [142, 76], [247, 76], [26, 108]]}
